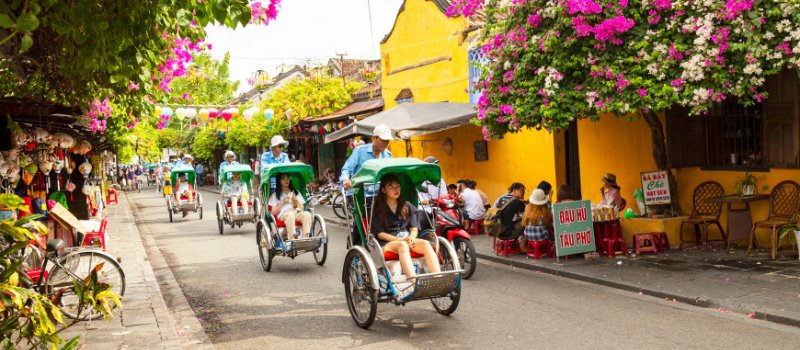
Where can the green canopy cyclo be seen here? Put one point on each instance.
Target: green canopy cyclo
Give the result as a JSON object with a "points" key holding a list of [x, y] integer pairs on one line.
{"points": [[184, 204], [224, 216]]}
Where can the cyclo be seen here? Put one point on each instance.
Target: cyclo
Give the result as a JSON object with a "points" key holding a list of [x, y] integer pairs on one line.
{"points": [[173, 206], [224, 216], [270, 231], [367, 274]]}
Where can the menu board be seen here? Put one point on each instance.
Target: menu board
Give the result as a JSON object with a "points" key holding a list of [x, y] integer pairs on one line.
{"points": [[655, 185], [573, 227], [64, 217]]}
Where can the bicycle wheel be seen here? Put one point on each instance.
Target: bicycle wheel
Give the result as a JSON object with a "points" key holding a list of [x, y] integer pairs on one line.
{"points": [[76, 266], [448, 304], [265, 252], [338, 207], [362, 299], [465, 250], [321, 253]]}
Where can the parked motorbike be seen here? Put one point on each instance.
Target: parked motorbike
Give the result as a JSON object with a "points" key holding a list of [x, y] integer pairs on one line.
{"points": [[444, 219]]}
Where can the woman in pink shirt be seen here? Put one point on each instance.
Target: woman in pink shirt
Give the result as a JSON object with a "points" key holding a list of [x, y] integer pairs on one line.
{"points": [[611, 191]]}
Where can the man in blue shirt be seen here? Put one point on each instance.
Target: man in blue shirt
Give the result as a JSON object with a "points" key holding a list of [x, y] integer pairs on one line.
{"points": [[199, 170], [276, 155], [375, 150]]}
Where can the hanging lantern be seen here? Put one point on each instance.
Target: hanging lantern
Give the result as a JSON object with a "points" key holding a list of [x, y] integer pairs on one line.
{"points": [[248, 114], [227, 114], [180, 113], [235, 112], [157, 111], [191, 113], [213, 113], [269, 113], [204, 114], [166, 111]]}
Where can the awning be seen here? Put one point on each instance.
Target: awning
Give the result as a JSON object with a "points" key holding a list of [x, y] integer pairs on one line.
{"points": [[411, 119], [352, 109]]}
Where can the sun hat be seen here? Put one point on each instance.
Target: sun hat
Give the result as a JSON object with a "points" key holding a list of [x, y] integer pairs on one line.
{"points": [[383, 132], [187, 155], [610, 178], [431, 159], [230, 154], [538, 197], [278, 140]]}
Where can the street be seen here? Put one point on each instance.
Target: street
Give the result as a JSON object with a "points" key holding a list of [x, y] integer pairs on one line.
{"points": [[303, 305]]}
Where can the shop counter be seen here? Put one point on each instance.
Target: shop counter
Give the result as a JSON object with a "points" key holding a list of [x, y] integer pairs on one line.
{"points": [[671, 226]]}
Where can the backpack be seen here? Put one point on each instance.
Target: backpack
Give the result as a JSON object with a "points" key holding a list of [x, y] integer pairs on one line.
{"points": [[493, 220]]}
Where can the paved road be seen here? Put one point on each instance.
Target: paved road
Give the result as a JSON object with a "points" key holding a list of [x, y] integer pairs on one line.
{"points": [[301, 304]]}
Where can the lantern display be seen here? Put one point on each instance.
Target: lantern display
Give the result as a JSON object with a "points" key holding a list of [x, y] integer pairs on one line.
{"points": [[213, 113], [191, 113], [269, 113], [166, 111], [180, 113]]}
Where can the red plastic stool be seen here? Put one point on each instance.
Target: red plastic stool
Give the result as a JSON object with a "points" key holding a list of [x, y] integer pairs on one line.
{"points": [[112, 192], [475, 227], [611, 243], [640, 238], [662, 241], [537, 249], [507, 247]]}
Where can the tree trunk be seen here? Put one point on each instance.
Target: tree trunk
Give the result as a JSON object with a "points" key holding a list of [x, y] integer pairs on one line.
{"points": [[660, 154]]}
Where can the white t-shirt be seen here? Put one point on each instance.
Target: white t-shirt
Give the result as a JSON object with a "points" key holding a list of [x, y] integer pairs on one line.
{"points": [[183, 187], [274, 201], [473, 204]]}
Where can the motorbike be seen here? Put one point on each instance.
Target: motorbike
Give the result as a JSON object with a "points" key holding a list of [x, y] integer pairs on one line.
{"points": [[445, 220]]}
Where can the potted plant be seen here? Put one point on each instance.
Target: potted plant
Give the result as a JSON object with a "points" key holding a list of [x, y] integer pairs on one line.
{"points": [[638, 194], [792, 230], [746, 186]]}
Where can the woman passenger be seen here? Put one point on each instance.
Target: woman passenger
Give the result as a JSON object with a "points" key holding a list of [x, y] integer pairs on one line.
{"points": [[395, 223], [287, 206]]}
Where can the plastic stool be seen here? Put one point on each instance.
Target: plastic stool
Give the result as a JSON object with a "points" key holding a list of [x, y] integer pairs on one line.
{"points": [[640, 238], [475, 227], [610, 243], [112, 192], [507, 247], [536, 249], [662, 241]]}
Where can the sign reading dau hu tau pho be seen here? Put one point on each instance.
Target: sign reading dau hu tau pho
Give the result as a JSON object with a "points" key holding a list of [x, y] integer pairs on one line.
{"points": [[573, 226], [655, 185]]}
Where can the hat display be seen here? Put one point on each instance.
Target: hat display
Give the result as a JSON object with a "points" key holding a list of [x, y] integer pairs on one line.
{"points": [[278, 140], [610, 178], [383, 132], [538, 197]]}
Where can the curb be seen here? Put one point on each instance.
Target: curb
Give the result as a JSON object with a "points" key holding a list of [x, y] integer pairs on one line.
{"points": [[181, 313], [696, 301]]}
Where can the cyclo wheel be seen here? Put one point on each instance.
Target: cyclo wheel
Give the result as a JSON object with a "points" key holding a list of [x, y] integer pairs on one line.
{"points": [[220, 214], [199, 200], [362, 300], [169, 207], [448, 304], [465, 250], [78, 266], [317, 231], [338, 206], [265, 252]]}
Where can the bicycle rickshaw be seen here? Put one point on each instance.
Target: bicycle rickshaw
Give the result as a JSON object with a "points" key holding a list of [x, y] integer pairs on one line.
{"points": [[224, 216], [368, 272], [270, 231], [151, 175], [173, 207]]}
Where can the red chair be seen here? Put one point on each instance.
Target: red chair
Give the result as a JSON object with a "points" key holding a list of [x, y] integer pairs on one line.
{"points": [[97, 238], [475, 227], [279, 223], [507, 247], [613, 241], [111, 196], [389, 256], [640, 239], [537, 249], [662, 241]]}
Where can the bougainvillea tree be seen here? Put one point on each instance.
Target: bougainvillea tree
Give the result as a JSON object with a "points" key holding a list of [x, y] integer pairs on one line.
{"points": [[552, 61]]}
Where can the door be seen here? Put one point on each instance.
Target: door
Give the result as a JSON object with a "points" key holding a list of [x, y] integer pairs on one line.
{"points": [[781, 119], [572, 161]]}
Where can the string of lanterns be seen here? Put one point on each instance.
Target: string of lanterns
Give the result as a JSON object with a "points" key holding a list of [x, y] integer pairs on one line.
{"points": [[206, 114]]}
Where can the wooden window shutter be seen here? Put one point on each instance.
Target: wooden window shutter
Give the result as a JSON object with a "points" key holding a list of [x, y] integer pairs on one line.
{"points": [[686, 138], [782, 120]]}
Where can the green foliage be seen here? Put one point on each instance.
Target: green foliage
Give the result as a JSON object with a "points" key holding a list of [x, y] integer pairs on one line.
{"points": [[313, 97], [32, 320], [206, 144], [206, 82], [788, 230]]}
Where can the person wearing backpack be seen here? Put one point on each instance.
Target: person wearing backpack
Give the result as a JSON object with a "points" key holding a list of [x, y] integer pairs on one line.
{"points": [[502, 222]]}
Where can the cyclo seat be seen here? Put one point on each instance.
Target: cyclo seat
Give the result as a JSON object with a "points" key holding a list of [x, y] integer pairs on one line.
{"points": [[54, 245], [228, 203], [280, 223], [389, 256]]}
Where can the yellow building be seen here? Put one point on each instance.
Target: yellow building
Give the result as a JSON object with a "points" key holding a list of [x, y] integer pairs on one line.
{"points": [[425, 59]]}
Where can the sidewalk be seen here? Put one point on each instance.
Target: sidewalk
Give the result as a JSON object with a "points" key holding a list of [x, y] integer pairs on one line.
{"points": [[144, 321], [755, 286]]}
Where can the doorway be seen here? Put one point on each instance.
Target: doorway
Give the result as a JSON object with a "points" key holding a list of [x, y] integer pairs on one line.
{"points": [[572, 160]]}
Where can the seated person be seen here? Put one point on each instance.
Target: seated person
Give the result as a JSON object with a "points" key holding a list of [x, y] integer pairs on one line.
{"points": [[183, 189], [452, 190], [537, 219], [473, 203], [287, 206], [564, 194], [395, 224], [236, 192], [611, 192]]}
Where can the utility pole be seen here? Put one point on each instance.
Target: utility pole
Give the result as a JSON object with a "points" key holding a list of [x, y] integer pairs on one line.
{"points": [[341, 67]]}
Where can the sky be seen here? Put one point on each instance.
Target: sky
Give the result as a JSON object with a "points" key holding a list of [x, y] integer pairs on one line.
{"points": [[306, 31]]}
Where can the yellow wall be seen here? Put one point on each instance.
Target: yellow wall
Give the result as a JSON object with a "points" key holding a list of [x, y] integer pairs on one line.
{"points": [[423, 33], [616, 146]]}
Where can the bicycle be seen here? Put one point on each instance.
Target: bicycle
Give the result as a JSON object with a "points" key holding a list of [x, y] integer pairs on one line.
{"points": [[73, 266]]}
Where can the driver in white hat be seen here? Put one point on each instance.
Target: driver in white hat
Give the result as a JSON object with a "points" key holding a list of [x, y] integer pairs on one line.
{"points": [[275, 155], [230, 159], [186, 160]]}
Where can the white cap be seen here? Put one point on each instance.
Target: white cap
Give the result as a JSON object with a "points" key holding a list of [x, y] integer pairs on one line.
{"points": [[187, 155], [538, 197], [278, 140], [383, 132]]}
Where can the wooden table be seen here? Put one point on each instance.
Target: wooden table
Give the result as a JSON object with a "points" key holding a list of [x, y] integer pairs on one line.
{"points": [[740, 220]]}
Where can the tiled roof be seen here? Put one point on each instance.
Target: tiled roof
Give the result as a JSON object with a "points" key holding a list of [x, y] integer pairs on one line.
{"points": [[352, 68], [353, 109], [364, 93], [404, 94]]}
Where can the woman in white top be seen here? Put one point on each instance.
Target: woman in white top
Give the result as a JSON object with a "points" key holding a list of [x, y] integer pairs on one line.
{"points": [[287, 206]]}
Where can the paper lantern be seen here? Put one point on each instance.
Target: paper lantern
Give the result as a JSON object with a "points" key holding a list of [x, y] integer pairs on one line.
{"points": [[213, 113], [180, 113], [269, 113], [248, 114], [157, 111], [166, 111], [235, 112], [191, 113], [204, 113], [226, 114]]}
